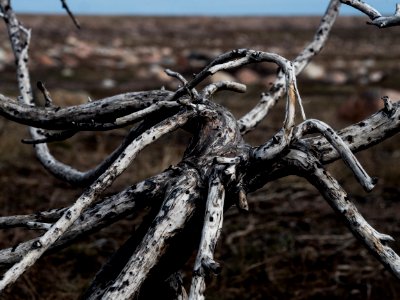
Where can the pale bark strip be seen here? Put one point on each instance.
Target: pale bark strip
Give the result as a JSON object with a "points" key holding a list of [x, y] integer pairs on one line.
{"points": [[376, 17], [212, 88], [21, 221], [363, 7], [139, 115], [176, 211], [268, 100], [213, 220], [311, 169], [282, 139], [103, 182], [341, 147]]}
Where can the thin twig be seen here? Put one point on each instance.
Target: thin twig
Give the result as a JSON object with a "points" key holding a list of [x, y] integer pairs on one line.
{"points": [[182, 79], [48, 101], [213, 88], [71, 15]]}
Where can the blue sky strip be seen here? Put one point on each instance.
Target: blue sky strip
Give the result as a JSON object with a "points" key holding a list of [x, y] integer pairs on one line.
{"points": [[193, 7]]}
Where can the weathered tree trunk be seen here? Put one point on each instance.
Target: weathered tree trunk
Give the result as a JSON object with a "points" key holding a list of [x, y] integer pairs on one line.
{"points": [[217, 170]]}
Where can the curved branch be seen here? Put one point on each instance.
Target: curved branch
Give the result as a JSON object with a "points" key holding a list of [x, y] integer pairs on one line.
{"points": [[241, 57], [238, 58], [310, 126], [268, 100], [84, 117], [310, 168], [213, 88], [20, 38], [376, 17], [51, 136]]}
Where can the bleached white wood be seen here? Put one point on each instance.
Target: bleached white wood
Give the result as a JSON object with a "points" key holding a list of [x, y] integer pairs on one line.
{"points": [[217, 156], [212, 226]]}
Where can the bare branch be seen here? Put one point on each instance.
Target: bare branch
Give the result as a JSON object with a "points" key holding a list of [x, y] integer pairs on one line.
{"points": [[213, 219], [341, 147], [211, 89], [337, 198], [96, 115], [46, 94], [365, 8], [362, 135], [268, 100], [22, 221], [217, 156], [139, 115], [177, 209], [103, 182], [241, 57], [192, 92], [376, 17], [51, 136], [20, 37], [71, 15], [104, 213]]}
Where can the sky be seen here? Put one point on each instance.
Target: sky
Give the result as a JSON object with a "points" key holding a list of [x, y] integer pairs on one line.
{"points": [[193, 7]]}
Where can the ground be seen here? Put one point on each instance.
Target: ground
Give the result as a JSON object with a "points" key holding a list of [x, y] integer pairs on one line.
{"points": [[290, 245]]}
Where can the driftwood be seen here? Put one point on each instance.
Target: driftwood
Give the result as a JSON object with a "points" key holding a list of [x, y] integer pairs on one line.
{"points": [[217, 171]]}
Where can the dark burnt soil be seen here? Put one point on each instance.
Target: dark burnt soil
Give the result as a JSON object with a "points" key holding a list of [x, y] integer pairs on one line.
{"points": [[290, 245]]}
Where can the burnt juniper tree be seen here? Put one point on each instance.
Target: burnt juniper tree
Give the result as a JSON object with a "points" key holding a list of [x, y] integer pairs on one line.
{"points": [[217, 170]]}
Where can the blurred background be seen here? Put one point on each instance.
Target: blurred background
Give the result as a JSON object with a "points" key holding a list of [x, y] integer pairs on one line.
{"points": [[290, 245]]}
